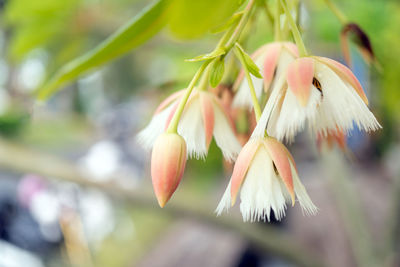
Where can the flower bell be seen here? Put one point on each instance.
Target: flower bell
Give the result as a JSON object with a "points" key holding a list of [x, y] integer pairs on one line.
{"points": [[168, 160], [272, 60], [320, 91], [266, 176], [202, 118]]}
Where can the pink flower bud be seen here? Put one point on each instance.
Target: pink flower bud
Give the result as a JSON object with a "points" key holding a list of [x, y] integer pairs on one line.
{"points": [[168, 162]]}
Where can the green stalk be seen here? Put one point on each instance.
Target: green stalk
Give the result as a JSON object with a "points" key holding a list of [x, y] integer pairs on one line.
{"points": [[277, 22], [246, 15], [173, 126], [256, 105], [295, 31], [203, 84], [336, 11]]}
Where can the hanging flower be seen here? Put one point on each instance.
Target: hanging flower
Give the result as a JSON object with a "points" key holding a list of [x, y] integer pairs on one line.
{"points": [[266, 176], [331, 138], [202, 118], [272, 60], [320, 91]]}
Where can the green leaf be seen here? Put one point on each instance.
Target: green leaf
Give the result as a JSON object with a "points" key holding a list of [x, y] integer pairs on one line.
{"points": [[217, 71], [216, 53], [249, 63], [193, 18], [233, 20], [141, 28]]}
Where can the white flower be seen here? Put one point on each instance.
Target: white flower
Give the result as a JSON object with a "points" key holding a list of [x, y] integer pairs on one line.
{"points": [[266, 175], [319, 92], [272, 60], [202, 118]]}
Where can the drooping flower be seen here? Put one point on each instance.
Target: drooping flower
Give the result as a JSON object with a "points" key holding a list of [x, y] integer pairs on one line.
{"points": [[266, 176], [202, 118], [320, 91], [272, 60], [331, 138], [168, 160]]}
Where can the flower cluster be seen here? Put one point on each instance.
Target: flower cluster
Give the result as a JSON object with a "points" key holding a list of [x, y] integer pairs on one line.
{"points": [[299, 91]]}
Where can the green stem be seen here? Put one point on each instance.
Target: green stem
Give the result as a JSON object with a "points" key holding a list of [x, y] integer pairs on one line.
{"points": [[256, 105], [277, 22], [203, 84], [295, 31], [336, 11], [268, 14], [173, 126], [243, 21]]}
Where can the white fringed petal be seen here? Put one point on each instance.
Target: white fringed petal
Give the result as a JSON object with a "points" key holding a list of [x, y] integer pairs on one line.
{"points": [[293, 117], [267, 114], [156, 127], [341, 106], [224, 135], [261, 190], [285, 59], [306, 204], [225, 202], [191, 128]]}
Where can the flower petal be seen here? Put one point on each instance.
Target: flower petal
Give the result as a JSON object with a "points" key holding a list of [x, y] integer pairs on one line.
{"points": [[156, 127], [305, 201], [207, 110], [224, 133], [292, 48], [261, 191], [241, 166], [225, 202], [169, 100], [191, 128], [271, 59], [300, 75], [346, 74], [278, 154]]}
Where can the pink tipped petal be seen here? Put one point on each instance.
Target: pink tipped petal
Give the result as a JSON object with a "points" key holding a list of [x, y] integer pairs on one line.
{"points": [[300, 75], [241, 166], [218, 102], [270, 62], [280, 158], [292, 48], [168, 101], [345, 73], [207, 111]]}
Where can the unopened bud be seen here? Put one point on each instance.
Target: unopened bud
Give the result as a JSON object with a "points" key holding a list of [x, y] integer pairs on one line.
{"points": [[168, 160]]}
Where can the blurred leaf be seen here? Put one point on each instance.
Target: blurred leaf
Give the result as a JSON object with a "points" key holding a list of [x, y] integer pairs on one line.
{"points": [[12, 123], [37, 22], [216, 53], [251, 66], [141, 28], [192, 19], [217, 71]]}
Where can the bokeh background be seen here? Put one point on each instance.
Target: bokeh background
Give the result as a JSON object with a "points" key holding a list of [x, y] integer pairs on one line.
{"points": [[75, 187]]}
